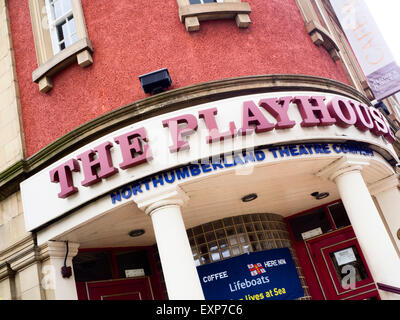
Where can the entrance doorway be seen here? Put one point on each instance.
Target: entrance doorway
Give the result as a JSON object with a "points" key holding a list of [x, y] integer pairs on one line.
{"points": [[340, 266], [139, 288], [331, 258], [117, 274]]}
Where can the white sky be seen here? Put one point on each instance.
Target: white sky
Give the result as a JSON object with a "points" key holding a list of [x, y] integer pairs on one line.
{"points": [[387, 16]]}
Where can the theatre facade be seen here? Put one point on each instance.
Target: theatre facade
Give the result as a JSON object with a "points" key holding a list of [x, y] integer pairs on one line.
{"points": [[276, 186], [221, 180]]}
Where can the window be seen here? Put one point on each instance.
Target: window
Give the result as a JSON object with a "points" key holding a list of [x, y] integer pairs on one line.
{"points": [[191, 12], [233, 236], [93, 266], [132, 259], [349, 257], [339, 215], [315, 220], [318, 221], [61, 38], [61, 24], [107, 264]]}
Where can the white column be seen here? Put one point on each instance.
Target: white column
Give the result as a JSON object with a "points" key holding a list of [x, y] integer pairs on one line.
{"points": [[387, 195], [179, 269], [55, 286], [379, 252]]}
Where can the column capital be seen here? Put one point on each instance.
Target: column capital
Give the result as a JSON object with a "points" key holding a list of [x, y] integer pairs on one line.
{"points": [[341, 166], [170, 196], [390, 182], [58, 249]]}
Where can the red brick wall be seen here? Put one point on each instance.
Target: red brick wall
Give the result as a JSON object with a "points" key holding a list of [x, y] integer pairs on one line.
{"points": [[131, 38]]}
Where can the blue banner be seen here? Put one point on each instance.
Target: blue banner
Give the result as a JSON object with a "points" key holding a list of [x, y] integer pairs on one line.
{"points": [[265, 275]]}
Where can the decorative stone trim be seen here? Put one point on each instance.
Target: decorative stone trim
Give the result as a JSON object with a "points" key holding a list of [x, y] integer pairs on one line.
{"points": [[14, 251], [6, 271], [391, 182], [25, 259], [80, 51], [7, 274], [341, 166], [19, 255], [162, 103], [367, 89], [57, 249], [173, 196], [11, 178], [192, 14], [320, 36]]}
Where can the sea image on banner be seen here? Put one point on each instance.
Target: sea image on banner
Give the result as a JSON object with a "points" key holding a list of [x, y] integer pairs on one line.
{"points": [[265, 275]]}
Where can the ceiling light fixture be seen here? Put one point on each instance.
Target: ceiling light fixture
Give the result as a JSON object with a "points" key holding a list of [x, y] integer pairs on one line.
{"points": [[320, 196], [136, 233], [249, 197]]}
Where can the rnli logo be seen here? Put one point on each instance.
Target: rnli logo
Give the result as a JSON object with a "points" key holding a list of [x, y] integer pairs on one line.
{"points": [[256, 269]]}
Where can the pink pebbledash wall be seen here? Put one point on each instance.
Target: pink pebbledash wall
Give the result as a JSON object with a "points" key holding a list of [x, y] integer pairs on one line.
{"points": [[131, 38]]}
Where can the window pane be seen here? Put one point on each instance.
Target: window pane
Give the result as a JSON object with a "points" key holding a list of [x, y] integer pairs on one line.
{"points": [[203, 249], [60, 8], [74, 38], [226, 253], [310, 221], [60, 31], [67, 5], [205, 259], [58, 12], [348, 263], [215, 256], [71, 25], [92, 266], [65, 33], [339, 215]]}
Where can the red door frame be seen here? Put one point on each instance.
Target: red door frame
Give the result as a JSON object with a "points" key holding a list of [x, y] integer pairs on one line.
{"points": [[303, 254], [154, 278]]}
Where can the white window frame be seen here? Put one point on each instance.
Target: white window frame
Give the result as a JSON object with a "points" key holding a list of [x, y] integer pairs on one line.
{"points": [[51, 59], [53, 23]]}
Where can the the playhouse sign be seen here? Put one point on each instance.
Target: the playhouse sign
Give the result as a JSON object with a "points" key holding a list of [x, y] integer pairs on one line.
{"points": [[175, 139], [134, 146]]}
